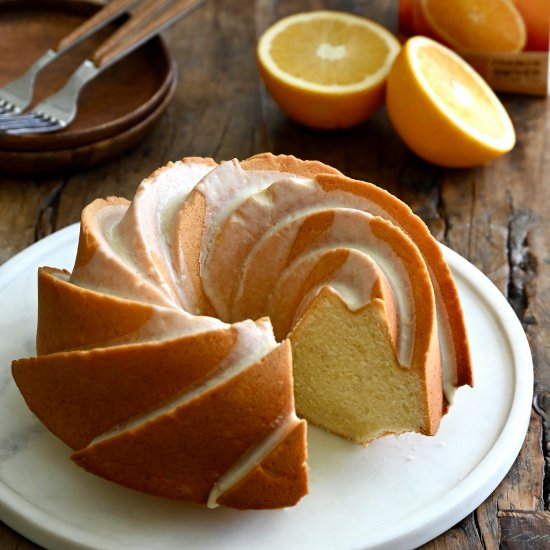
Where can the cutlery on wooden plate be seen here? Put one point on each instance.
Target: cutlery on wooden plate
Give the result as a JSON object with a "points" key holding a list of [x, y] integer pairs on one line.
{"points": [[59, 110], [16, 96]]}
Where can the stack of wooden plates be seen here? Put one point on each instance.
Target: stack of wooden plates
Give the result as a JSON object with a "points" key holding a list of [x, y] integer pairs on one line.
{"points": [[114, 111]]}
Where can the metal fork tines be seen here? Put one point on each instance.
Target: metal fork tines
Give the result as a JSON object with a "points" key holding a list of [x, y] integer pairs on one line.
{"points": [[16, 96], [55, 112]]}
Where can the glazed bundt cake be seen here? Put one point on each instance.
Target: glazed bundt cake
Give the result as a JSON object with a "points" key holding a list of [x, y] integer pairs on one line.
{"points": [[171, 357]]}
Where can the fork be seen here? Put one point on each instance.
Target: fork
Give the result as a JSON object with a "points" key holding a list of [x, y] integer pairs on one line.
{"points": [[16, 96], [59, 110]]}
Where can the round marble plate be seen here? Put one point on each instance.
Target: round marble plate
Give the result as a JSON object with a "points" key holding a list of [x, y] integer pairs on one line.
{"points": [[397, 493]]}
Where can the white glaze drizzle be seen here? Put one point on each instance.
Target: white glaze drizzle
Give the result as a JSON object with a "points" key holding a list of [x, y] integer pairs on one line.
{"points": [[251, 459], [377, 249], [446, 347], [148, 221], [254, 341], [353, 282], [224, 189], [111, 269], [287, 198], [163, 324]]}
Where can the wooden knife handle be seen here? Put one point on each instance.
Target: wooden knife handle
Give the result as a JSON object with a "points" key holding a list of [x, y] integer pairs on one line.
{"points": [[148, 20], [101, 18]]}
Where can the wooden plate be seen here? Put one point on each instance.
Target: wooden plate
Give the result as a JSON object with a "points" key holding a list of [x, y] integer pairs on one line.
{"points": [[31, 163], [122, 96]]}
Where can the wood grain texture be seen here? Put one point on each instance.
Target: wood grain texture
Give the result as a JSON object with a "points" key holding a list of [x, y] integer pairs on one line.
{"points": [[497, 216], [524, 530], [146, 21], [11, 540], [23, 207]]}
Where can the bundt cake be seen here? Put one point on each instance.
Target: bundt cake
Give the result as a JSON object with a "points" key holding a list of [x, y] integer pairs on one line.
{"points": [[171, 357]]}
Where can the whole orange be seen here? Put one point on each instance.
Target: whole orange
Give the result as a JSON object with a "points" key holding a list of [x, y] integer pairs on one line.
{"points": [[474, 25], [536, 14]]}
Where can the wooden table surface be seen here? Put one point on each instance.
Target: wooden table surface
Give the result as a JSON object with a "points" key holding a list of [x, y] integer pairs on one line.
{"points": [[496, 216]]}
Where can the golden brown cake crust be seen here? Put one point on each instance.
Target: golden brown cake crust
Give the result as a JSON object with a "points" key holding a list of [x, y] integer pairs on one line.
{"points": [[81, 394], [289, 164], [282, 472], [428, 246], [87, 243], [182, 453], [190, 230], [71, 317]]}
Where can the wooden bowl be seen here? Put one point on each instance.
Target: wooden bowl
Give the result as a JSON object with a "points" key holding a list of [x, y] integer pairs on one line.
{"points": [[30, 163], [121, 97]]}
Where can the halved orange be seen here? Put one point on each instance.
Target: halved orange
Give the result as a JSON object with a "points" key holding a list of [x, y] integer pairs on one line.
{"points": [[478, 26], [442, 108], [327, 69]]}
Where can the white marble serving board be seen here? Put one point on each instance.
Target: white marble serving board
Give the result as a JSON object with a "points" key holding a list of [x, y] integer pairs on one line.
{"points": [[397, 493]]}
